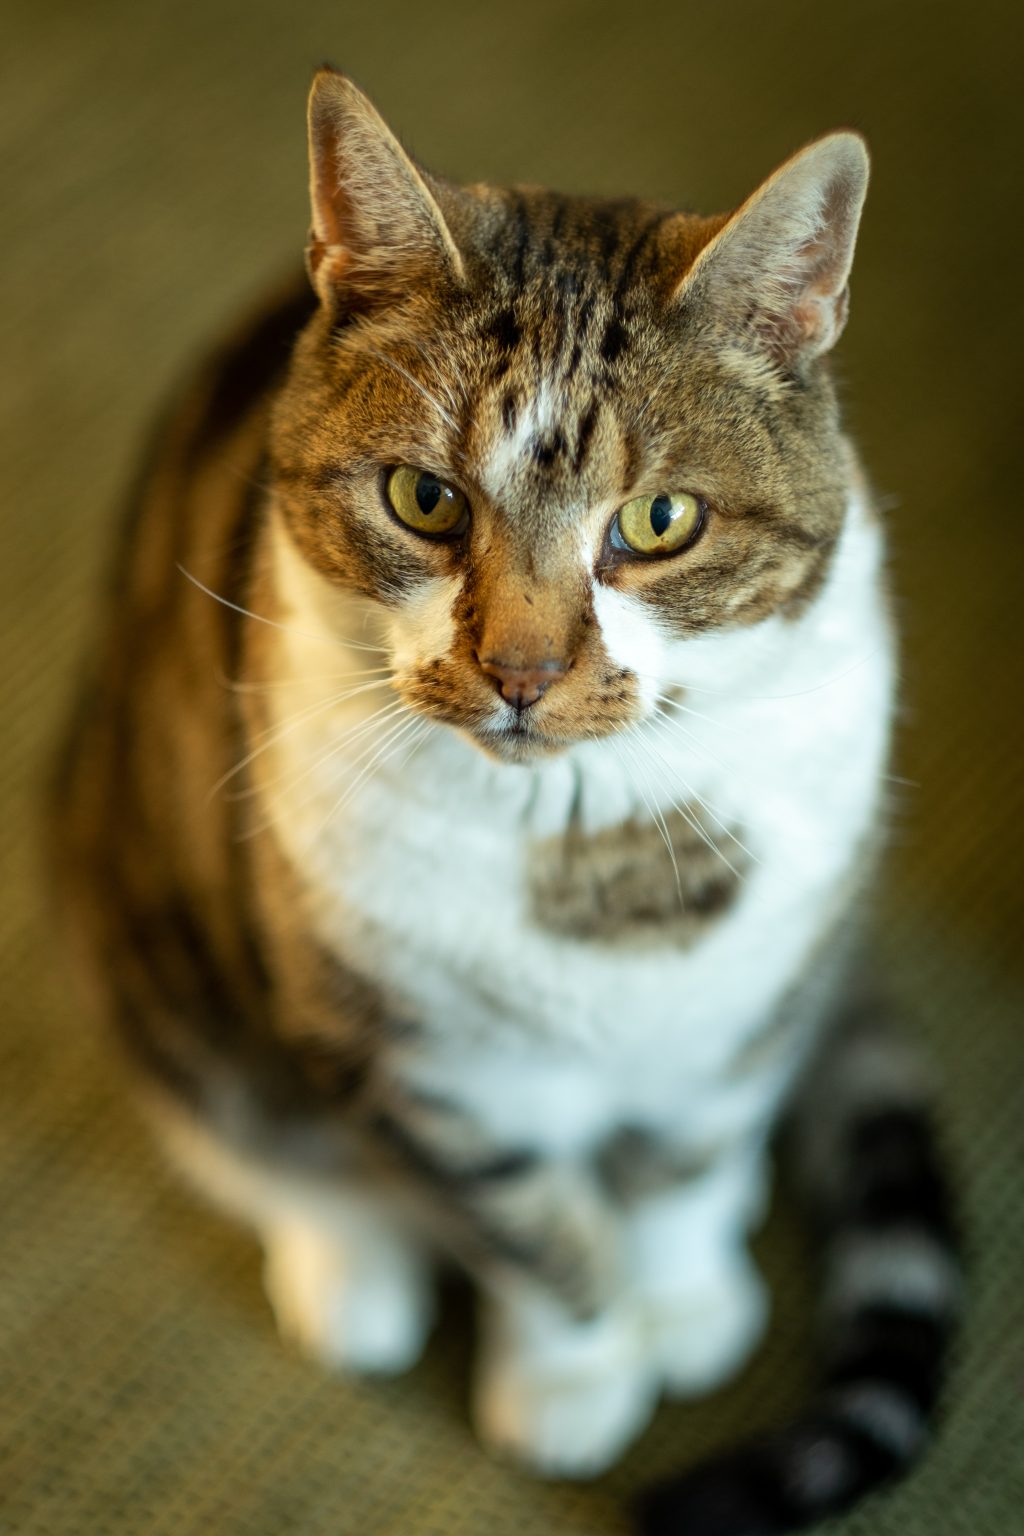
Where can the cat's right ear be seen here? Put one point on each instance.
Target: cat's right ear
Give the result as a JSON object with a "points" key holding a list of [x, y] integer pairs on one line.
{"points": [[377, 228]]}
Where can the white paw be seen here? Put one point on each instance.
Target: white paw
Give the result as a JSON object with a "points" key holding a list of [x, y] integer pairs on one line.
{"points": [[702, 1337], [370, 1322], [573, 1413]]}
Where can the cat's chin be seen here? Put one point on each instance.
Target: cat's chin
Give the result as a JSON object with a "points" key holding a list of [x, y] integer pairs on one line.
{"points": [[512, 745]]}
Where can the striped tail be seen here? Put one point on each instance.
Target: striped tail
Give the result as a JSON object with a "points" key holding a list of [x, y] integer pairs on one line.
{"points": [[866, 1159]]}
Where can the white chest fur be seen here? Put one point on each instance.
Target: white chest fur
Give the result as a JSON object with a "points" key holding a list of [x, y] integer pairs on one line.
{"points": [[420, 877]]}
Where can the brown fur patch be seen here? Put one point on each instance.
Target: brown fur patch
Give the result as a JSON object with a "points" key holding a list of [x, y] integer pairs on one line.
{"points": [[620, 885]]}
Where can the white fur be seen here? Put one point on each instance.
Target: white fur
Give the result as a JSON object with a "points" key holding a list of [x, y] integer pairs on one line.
{"points": [[703, 1304], [565, 1397], [538, 416], [421, 881], [423, 628], [351, 1296]]}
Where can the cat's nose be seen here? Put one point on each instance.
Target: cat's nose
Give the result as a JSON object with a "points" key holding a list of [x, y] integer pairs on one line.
{"points": [[521, 686]]}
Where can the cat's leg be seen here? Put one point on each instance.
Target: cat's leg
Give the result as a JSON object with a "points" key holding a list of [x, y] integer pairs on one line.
{"points": [[704, 1303], [562, 1380], [349, 1284], [563, 1394]]}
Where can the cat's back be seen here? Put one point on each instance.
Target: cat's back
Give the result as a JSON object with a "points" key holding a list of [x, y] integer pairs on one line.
{"points": [[138, 845]]}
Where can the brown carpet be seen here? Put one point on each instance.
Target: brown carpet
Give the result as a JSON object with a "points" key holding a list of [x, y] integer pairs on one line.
{"points": [[152, 178]]}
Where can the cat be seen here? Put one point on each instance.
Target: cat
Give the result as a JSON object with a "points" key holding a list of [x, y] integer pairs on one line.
{"points": [[468, 822]]}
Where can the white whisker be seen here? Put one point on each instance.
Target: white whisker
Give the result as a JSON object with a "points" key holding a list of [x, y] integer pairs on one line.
{"points": [[342, 742], [390, 362], [391, 739], [672, 770], [656, 813], [276, 732], [673, 703], [235, 686], [275, 803], [797, 693], [288, 629], [663, 722]]}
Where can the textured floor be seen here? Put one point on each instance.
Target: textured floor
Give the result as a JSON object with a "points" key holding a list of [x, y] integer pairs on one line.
{"points": [[151, 179]]}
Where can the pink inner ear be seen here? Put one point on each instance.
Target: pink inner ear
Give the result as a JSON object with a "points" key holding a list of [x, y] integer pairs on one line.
{"points": [[778, 269], [328, 230], [819, 310]]}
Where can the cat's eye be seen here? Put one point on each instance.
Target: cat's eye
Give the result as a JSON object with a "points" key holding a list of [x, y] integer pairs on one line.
{"points": [[425, 503], [658, 525]]}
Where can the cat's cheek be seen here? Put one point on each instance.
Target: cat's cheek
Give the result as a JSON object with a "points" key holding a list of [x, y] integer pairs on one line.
{"points": [[632, 639], [423, 628]]}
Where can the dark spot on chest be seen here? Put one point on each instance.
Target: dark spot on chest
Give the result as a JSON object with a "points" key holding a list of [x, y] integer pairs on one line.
{"points": [[622, 885]]}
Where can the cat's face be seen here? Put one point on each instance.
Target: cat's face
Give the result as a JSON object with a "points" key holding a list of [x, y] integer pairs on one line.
{"points": [[554, 438]]}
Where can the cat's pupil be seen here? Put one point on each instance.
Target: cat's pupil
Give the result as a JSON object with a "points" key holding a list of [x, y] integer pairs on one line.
{"points": [[661, 514], [428, 493]]}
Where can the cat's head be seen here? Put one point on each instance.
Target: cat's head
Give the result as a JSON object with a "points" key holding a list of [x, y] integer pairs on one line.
{"points": [[552, 437]]}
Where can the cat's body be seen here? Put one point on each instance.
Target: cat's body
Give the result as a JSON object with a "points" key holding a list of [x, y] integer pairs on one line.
{"points": [[446, 979]]}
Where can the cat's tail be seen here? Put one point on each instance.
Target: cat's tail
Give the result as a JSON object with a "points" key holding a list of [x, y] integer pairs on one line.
{"points": [[866, 1159]]}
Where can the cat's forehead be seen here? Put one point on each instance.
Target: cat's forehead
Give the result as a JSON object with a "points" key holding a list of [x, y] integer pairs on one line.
{"points": [[559, 247], [561, 333]]}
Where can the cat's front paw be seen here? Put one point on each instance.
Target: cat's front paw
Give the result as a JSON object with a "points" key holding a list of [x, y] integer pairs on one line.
{"points": [[571, 1410], [702, 1336], [369, 1323]]}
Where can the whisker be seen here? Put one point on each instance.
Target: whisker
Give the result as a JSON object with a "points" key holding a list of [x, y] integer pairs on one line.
{"points": [[288, 629], [348, 738], [664, 721], [270, 684], [797, 693], [705, 806], [656, 816], [445, 383], [390, 362], [276, 802], [418, 738], [689, 818], [673, 703], [392, 737], [275, 733]]}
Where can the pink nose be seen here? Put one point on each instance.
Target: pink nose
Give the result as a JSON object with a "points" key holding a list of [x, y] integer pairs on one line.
{"points": [[522, 686]]}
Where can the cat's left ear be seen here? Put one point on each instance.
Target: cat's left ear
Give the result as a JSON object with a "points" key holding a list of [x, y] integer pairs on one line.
{"points": [[777, 271], [377, 229]]}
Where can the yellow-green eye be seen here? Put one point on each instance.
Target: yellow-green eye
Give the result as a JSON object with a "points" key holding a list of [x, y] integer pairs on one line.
{"points": [[658, 525], [425, 503]]}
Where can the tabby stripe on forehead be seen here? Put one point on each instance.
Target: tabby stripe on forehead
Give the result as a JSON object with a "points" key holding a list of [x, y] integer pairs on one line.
{"points": [[633, 255], [522, 227], [605, 220], [586, 432]]}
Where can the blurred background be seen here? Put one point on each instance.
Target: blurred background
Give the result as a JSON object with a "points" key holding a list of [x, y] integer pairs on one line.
{"points": [[152, 181]]}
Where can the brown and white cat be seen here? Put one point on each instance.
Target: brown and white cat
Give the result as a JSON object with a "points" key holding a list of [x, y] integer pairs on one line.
{"points": [[469, 815]]}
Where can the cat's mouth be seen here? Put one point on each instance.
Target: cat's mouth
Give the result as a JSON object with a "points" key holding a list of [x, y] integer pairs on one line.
{"points": [[518, 740]]}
